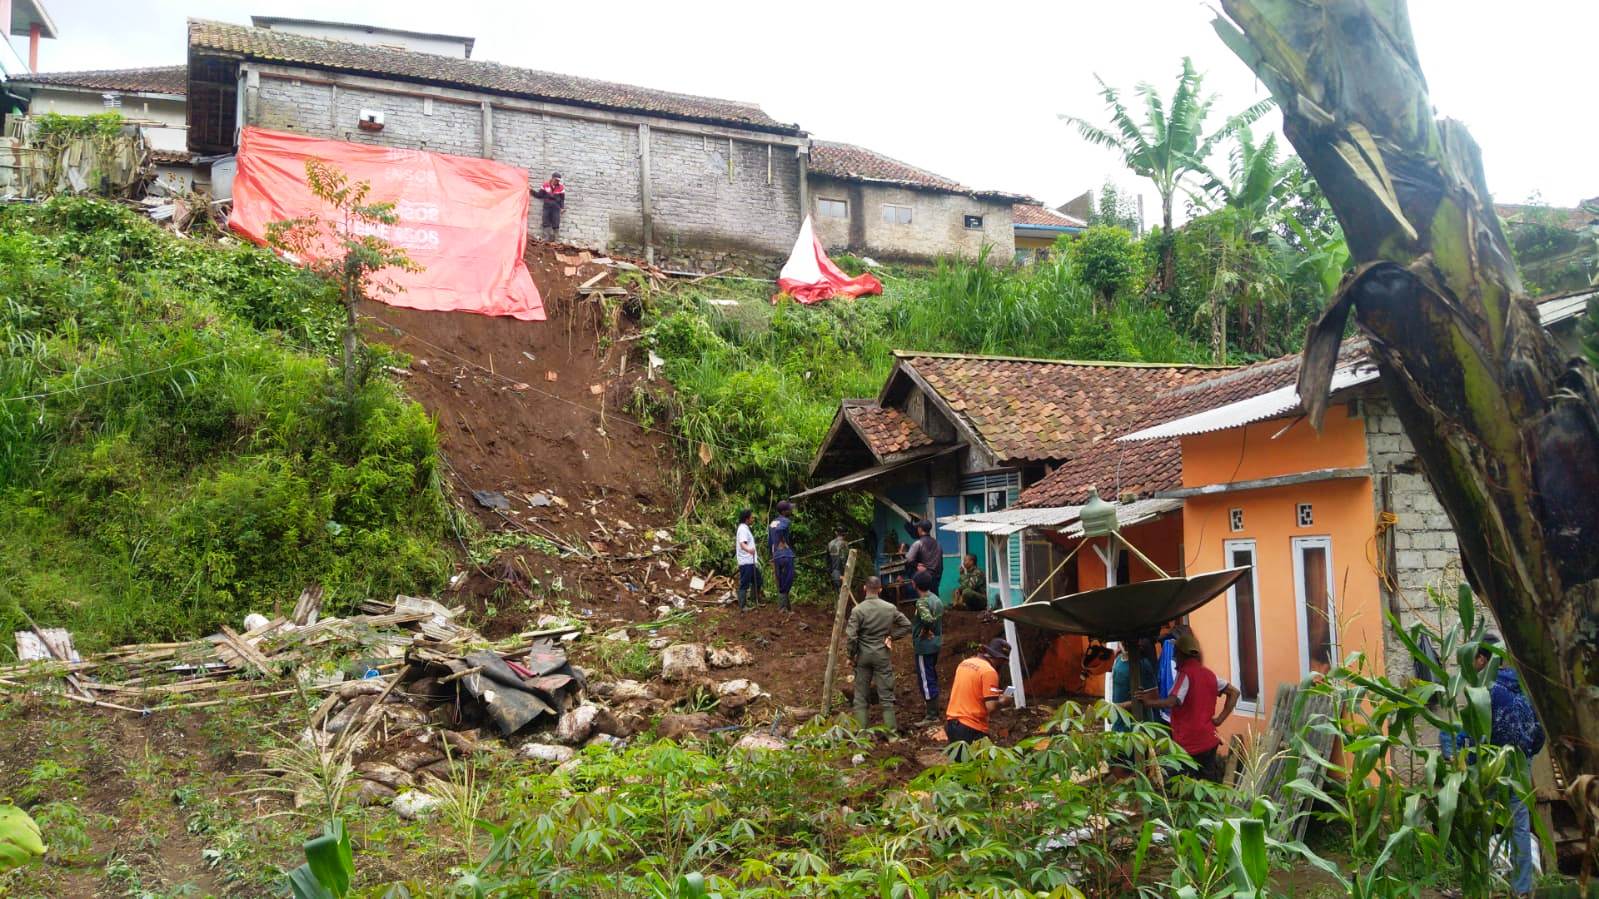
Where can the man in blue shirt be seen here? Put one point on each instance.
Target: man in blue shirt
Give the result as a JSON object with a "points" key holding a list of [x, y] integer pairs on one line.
{"points": [[780, 540]]}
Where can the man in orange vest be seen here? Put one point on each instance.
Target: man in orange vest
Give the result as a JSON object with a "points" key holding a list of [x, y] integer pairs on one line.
{"points": [[976, 693], [1193, 703]]}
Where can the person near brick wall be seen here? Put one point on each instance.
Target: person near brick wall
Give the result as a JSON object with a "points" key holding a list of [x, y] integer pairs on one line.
{"points": [[552, 194]]}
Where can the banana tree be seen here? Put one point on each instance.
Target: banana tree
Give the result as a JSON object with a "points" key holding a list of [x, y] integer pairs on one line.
{"points": [[1168, 146], [1506, 429]]}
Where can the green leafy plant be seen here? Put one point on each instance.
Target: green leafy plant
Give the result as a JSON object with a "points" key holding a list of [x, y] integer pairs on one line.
{"points": [[20, 840], [346, 250], [329, 865]]}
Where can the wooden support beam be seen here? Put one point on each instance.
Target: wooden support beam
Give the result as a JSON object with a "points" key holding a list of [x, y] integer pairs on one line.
{"points": [[646, 203], [894, 507], [838, 633]]}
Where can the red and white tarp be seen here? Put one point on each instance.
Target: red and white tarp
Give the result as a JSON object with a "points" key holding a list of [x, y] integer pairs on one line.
{"points": [[810, 277], [463, 220]]}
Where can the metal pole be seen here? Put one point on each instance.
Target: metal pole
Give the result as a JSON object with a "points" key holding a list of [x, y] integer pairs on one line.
{"points": [[1002, 553]]}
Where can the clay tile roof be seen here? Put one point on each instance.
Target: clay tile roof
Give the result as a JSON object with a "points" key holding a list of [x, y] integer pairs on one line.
{"points": [[282, 46], [171, 157], [852, 163], [1034, 410], [1041, 216], [147, 80], [886, 431], [1144, 467]]}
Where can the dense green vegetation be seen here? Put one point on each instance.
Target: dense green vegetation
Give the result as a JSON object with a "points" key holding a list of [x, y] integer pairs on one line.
{"points": [[169, 451]]}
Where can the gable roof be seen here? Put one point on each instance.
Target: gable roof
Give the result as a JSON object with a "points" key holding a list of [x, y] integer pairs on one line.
{"points": [[1040, 410], [849, 162], [1148, 466], [466, 41], [1037, 216], [886, 431], [143, 80], [222, 38]]}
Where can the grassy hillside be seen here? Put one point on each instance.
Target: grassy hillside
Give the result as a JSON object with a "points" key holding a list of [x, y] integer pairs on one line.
{"points": [[169, 450]]}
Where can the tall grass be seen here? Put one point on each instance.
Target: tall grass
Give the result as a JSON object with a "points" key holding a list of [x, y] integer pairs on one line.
{"points": [[168, 454]]}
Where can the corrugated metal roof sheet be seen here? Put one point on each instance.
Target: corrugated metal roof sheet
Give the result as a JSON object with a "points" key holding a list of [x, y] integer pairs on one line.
{"points": [[1061, 518], [1272, 404]]}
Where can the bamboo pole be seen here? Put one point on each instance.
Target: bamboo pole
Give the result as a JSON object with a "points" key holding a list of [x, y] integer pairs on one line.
{"points": [[838, 633]]}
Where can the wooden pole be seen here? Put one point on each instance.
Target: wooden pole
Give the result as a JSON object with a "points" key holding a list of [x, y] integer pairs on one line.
{"points": [[838, 634]]}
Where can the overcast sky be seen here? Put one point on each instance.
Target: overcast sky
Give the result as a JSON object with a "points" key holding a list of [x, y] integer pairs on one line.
{"points": [[971, 92]]}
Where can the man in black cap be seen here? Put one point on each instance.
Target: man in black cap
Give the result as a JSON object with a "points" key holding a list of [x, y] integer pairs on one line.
{"points": [[976, 693], [553, 194]]}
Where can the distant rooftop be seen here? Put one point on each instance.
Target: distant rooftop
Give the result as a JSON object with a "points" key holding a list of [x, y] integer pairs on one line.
{"points": [[276, 21], [853, 163], [172, 80]]}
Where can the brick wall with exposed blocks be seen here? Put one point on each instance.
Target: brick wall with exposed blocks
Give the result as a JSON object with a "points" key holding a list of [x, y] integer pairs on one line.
{"points": [[937, 227], [712, 202], [1425, 553]]}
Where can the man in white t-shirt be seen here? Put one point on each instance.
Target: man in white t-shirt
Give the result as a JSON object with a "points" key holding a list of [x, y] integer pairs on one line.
{"points": [[749, 569]]}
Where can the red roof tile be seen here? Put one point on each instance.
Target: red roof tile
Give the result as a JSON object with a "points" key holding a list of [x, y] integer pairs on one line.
{"points": [[1028, 410], [886, 431], [283, 46], [146, 80], [1033, 214], [1146, 466], [852, 163]]}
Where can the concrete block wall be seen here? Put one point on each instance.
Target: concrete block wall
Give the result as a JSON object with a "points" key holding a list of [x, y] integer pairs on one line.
{"points": [[1426, 554], [703, 217], [937, 225]]}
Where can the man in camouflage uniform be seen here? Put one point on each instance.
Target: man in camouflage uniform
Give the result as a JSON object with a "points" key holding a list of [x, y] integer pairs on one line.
{"points": [[874, 624]]}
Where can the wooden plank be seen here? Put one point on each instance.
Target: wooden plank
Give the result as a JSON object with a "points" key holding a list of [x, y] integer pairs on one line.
{"points": [[247, 652], [838, 633]]}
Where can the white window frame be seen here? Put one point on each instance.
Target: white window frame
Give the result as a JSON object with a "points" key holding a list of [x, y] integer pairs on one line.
{"points": [[896, 221], [1300, 544], [1229, 547], [819, 207]]}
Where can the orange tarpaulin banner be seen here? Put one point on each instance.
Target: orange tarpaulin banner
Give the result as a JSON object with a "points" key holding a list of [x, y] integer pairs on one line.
{"points": [[463, 220]]}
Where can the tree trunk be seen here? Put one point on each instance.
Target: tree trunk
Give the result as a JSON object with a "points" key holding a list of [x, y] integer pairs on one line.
{"points": [[351, 297], [1168, 248], [1506, 431]]}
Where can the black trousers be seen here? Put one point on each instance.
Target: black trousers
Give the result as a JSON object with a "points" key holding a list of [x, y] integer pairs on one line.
{"points": [[960, 733]]}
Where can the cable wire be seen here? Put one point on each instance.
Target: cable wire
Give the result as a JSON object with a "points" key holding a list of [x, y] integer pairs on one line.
{"points": [[89, 386]]}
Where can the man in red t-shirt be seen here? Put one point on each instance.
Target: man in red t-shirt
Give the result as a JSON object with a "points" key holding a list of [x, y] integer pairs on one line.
{"points": [[1193, 704]]}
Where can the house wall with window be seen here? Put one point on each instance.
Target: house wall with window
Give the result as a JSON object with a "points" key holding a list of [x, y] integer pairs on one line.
{"points": [[890, 222], [1312, 598]]}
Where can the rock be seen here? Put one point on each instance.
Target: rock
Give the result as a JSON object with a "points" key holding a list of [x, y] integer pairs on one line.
{"points": [[736, 694], [794, 714], [413, 805], [659, 643], [858, 759], [731, 657], [385, 774], [576, 726], [760, 740], [402, 717], [413, 759], [311, 738], [463, 742], [610, 741], [570, 765], [620, 691], [348, 715], [370, 792], [685, 726], [546, 752], [357, 688], [683, 662], [618, 636], [443, 769], [663, 611]]}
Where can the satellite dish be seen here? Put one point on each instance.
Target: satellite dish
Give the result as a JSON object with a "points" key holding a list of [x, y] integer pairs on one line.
{"points": [[1125, 611]]}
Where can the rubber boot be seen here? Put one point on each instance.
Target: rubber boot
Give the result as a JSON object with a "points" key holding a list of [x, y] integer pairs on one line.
{"points": [[743, 599], [930, 716], [890, 722], [782, 601]]}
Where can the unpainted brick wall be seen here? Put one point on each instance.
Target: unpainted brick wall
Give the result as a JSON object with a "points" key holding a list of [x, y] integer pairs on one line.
{"points": [[699, 211], [937, 225]]}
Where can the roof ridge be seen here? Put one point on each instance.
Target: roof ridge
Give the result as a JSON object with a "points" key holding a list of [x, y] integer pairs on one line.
{"points": [[1094, 363], [116, 71], [757, 117]]}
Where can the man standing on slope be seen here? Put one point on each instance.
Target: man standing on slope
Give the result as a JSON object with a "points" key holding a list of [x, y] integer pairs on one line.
{"points": [[749, 569], [552, 194], [837, 555], [780, 541], [1193, 704], [873, 625], [924, 554], [976, 693], [927, 638]]}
